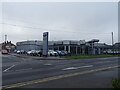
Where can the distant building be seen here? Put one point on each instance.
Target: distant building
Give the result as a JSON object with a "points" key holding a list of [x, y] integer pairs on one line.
{"points": [[29, 45], [97, 48], [116, 46], [74, 47], [71, 46], [8, 46]]}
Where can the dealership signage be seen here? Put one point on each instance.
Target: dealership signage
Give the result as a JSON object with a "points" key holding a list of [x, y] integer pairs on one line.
{"points": [[45, 44]]}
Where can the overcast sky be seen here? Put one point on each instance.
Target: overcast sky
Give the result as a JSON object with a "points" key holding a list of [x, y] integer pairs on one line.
{"points": [[63, 20]]}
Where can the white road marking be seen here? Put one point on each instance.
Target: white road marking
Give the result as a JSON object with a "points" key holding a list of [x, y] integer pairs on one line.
{"points": [[9, 68], [20, 70], [23, 69], [72, 68], [23, 59], [48, 64], [38, 81]]}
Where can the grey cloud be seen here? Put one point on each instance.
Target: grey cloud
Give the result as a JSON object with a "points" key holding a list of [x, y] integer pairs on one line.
{"points": [[63, 19]]}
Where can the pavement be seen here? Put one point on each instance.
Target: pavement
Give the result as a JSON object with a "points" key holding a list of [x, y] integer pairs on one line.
{"points": [[20, 72]]}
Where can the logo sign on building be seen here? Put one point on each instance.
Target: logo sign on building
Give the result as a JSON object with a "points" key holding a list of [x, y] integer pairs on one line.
{"points": [[45, 43]]}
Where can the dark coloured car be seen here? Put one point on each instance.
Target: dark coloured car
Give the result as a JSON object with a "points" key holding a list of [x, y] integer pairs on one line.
{"points": [[65, 52], [61, 53]]}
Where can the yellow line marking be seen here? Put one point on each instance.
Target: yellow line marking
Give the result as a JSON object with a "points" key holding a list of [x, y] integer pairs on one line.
{"points": [[54, 78]]}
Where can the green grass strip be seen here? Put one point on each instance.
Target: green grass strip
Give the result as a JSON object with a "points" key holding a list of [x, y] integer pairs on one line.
{"points": [[115, 83], [86, 57]]}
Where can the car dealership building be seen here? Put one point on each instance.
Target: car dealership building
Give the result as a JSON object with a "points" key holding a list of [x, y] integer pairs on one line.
{"points": [[73, 47]]}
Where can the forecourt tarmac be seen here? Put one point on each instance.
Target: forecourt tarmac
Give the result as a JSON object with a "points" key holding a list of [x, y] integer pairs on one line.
{"points": [[25, 72]]}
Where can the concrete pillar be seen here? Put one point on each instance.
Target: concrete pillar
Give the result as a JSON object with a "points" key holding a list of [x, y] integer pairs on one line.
{"points": [[64, 48], [76, 50], [83, 50], [99, 51], [69, 48], [94, 51]]}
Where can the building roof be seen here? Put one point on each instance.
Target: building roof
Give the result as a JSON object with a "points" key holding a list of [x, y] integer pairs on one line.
{"points": [[93, 41]]}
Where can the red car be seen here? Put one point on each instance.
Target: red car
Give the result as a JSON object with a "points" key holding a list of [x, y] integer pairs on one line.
{"points": [[4, 51]]}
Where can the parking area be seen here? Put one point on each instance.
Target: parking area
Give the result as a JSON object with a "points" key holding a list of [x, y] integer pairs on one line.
{"points": [[39, 53]]}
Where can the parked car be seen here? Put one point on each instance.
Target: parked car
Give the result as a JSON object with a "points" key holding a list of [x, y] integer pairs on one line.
{"points": [[28, 52], [61, 53], [52, 53], [34, 53], [65, 52], [31, 52], [38, 53], [18, 52], [4, 52], [15, 51], [21, 52]]}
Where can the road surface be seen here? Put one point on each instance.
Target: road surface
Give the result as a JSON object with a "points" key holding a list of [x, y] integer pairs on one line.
{"points": [[84, 73]]}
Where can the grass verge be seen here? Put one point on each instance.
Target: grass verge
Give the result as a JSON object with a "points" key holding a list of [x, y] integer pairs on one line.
{"points": [[115, 83], [86, 57]]}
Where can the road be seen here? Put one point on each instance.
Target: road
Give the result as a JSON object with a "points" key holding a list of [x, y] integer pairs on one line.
{"points": [[28, 73]]}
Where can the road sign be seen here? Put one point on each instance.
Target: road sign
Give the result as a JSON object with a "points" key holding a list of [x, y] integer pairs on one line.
{"points": [[45, 44]]}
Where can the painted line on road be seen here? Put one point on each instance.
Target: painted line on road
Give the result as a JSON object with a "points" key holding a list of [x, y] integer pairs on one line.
{"points": [[20, 70], [55, 78], [23, 69], [48, 64], [72, 68], [9, 68]]}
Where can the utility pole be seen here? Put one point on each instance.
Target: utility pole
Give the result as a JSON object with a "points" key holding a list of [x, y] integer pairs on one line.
{"points": [[5, 38], [112, 39], [112, 43], [5, 42]]}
